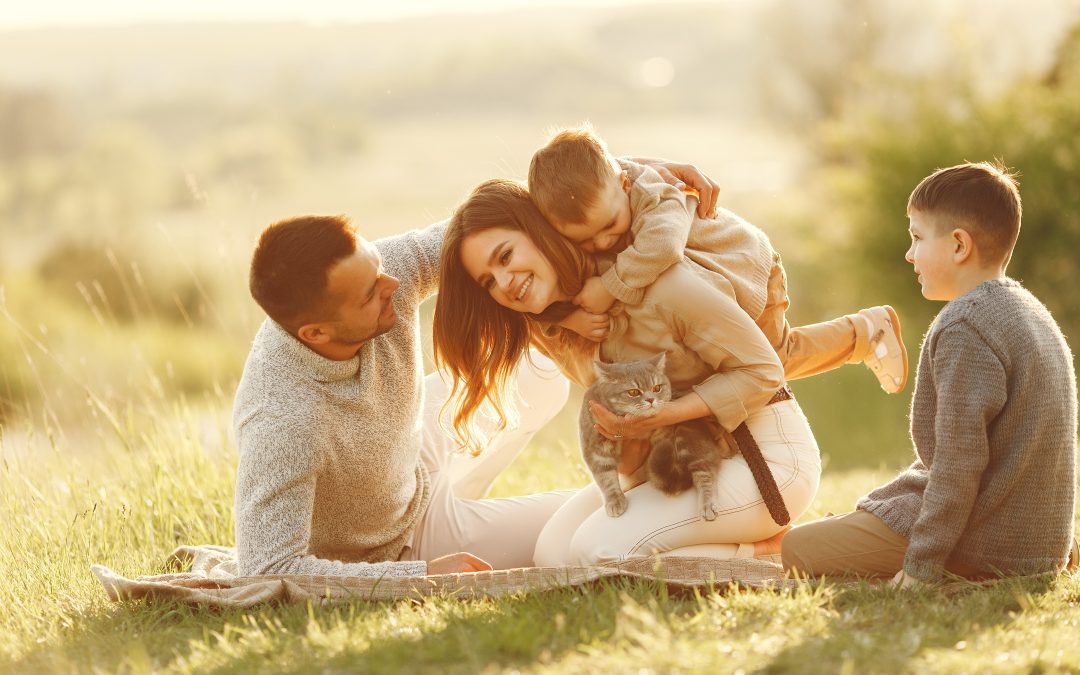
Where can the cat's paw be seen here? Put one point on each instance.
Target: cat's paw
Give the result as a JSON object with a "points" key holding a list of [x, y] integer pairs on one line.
{"points": [[615, 507], [708, 512]]}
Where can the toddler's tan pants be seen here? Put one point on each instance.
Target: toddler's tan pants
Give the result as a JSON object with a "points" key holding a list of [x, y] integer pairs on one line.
{"points": [[813, 348]]}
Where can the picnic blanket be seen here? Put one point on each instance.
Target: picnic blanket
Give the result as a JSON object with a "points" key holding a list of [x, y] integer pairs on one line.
{"points": [[213, 580]]}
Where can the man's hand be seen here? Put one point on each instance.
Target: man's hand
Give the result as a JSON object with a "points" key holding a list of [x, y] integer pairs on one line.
{"points": [[593, 327], [456, 563], [594, 297], [687, 175]]}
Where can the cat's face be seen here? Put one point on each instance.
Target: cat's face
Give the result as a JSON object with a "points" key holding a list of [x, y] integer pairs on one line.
{"points": [[634, 387]]}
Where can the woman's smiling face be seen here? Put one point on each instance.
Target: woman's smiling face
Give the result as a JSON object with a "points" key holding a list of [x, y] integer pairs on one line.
{"points": [[508, 265]]}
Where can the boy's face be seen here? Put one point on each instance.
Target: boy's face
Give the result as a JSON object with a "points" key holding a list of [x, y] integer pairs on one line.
{"points": [[933, 254], [606, 221]]}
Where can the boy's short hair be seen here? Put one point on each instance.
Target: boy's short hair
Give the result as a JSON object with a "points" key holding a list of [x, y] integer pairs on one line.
{"points": [[981, 198], [291, 266], [566, 175]]}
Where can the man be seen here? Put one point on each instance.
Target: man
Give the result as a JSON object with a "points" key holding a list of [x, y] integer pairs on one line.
{"points": [[344, 469]]}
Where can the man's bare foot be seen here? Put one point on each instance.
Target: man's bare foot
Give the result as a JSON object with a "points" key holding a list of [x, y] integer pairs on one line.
{"points": [[770, 546]]}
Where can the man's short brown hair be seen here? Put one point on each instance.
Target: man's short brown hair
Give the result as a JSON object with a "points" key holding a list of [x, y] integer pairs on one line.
{"points": [[291, 264], [567, 174], [981, 198]]}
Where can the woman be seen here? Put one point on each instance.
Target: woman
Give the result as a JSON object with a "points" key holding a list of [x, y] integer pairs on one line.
{"points": [[507, 275]]}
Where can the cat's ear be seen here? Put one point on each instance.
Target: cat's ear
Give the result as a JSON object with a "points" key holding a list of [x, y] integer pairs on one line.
{"points": [[603, 371], [659, 361]]}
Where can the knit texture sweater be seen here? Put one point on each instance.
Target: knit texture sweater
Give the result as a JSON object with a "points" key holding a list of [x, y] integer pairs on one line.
{"points": [[663, 229], [993, 421], [330, 480]]}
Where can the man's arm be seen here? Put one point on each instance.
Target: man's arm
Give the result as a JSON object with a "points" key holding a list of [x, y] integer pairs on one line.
{"points": [[275, 496], [415, 258], [969, 381]]}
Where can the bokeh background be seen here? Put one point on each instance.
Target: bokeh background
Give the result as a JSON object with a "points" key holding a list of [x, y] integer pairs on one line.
{"points": [[140, 155]]}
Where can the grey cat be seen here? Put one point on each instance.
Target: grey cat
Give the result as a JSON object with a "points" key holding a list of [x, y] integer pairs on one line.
{"points": [[683, 455]]}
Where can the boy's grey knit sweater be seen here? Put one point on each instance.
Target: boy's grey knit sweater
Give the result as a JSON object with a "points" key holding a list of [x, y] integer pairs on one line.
{"points": [[993, 419], [330, 480]]}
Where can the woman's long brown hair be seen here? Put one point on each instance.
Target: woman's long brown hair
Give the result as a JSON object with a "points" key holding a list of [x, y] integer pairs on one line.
{"points": [[477, 341]]}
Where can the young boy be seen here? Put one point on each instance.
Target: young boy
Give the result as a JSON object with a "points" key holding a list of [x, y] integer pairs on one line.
{"points": [[993, 417], [607, 206]]}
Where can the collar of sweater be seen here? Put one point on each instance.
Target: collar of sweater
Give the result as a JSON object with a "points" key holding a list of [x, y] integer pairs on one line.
{"points": [[989, 285], [299, 356]]}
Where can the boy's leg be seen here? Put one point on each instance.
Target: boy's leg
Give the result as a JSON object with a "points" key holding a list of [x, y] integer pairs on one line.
{"points": [[852, 544], [871, 336]]}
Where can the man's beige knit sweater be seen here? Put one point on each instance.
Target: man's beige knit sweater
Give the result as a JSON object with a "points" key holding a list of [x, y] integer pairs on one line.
{"points": [[330, 480]]}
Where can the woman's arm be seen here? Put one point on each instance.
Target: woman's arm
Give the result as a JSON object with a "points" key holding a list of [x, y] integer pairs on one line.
{"points": [[747, 371], [683, 409]]}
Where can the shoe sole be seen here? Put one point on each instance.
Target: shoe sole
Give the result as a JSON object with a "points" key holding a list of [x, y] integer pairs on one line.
{"points": [[900, 340]]}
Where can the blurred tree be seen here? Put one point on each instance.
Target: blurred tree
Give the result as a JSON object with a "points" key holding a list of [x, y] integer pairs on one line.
{"points": [[254, 157], [882, 136], [1033, 127], [108, 281], [103, 186], [33, 123], [818, 55]]}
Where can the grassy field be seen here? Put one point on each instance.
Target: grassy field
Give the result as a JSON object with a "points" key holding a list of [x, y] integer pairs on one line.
{"points": [[157, 481], [135, 174]]}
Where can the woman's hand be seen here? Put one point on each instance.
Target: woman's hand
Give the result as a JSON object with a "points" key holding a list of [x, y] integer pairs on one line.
{"points": [[686, 175], [615, 427], [634, 453], [612, 426]]}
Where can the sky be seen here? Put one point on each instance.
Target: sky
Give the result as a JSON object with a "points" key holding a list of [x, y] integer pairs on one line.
{"points": [[47, 13]]}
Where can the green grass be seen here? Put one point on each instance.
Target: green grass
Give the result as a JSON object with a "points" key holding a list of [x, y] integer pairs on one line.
{"points": [[133, 492]]}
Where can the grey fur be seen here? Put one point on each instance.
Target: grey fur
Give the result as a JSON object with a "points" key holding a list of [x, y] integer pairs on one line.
{"points": [[682, 455]]}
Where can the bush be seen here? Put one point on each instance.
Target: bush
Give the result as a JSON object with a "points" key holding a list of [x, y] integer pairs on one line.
{"points": [[1033, 127]]}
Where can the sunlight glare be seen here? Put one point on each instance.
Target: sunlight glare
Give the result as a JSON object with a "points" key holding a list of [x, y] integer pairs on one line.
{"points": [[657, 72]]}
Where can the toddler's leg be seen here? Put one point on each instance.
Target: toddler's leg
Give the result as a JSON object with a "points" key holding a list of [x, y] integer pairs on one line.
{"points": [[852, 544], [806, 350], [886, 356], [872, 337]]}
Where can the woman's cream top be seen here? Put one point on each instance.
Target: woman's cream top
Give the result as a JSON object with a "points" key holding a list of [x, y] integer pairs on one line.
{"points": [[713, 346]]}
